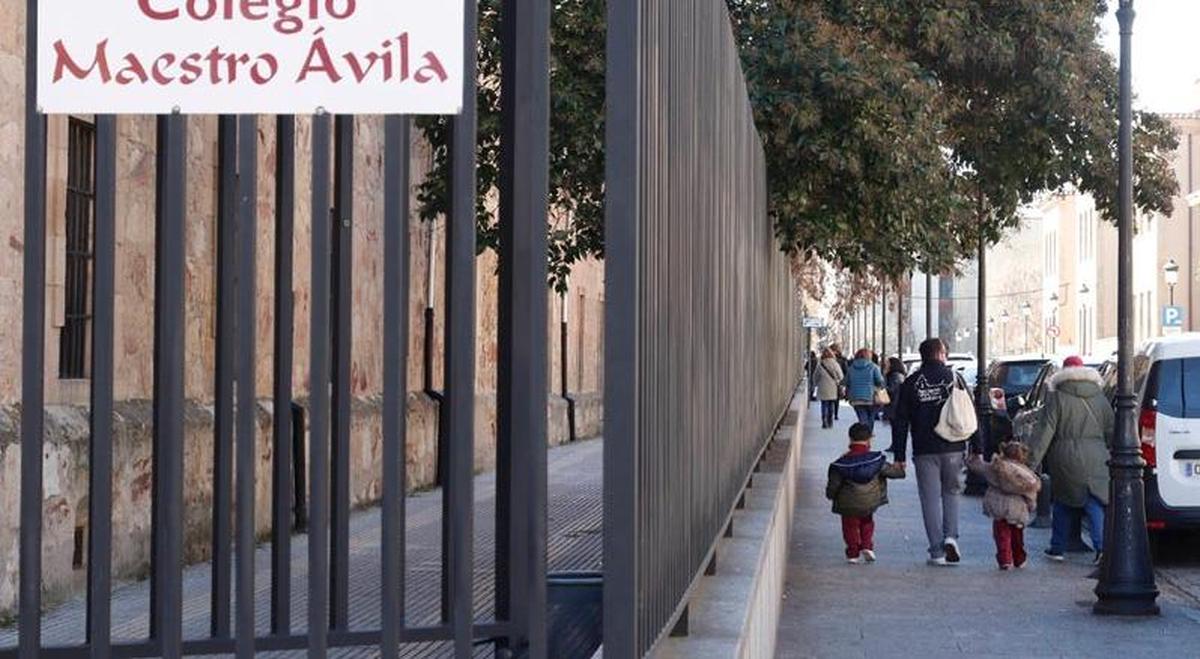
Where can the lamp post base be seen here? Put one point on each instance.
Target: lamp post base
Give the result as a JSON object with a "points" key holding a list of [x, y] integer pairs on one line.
{"points": [[1131, 604]]}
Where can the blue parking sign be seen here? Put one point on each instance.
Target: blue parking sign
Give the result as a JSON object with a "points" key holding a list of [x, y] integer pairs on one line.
{"points": [[1172, 317]]}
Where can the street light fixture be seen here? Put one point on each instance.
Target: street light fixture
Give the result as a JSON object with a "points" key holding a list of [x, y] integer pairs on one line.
{"points": [[1171, 275], [1004, 318], [1053, 329], [1126, 584], [1027, 313]]}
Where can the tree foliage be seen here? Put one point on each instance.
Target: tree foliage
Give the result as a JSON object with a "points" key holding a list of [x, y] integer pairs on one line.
{"points": [[901, 132], [898, 133], [576, 137]]}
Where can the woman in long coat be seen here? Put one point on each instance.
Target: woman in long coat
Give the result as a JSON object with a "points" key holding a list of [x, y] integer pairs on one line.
{"points": [[1073, 436], [829, 384]]}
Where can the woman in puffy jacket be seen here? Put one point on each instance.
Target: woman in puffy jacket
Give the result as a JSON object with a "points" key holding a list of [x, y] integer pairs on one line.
{"points": [[863, 379]]}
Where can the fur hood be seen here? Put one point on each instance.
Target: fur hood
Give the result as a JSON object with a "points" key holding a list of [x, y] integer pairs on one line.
{"points": [[1075, 374]]}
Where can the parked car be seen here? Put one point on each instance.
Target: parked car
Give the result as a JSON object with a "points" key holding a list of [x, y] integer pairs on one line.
{"points": [[1166, 376], [1028, 409], [1016, 376]]}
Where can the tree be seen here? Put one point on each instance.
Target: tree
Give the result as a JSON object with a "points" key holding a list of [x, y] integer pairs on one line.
{"points": [[576, 230], [1015, 96]]}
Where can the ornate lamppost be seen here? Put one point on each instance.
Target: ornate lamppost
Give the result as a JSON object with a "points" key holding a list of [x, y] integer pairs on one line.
{"points": [[1126, 584], [1026, 313], [1171, 276]]}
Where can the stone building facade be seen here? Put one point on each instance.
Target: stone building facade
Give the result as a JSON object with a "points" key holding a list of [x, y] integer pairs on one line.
{"points": [[66, 378]]}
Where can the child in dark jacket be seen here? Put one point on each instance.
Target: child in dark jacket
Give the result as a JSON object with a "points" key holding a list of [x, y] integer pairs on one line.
{"points": [[1011, 500], [858, 487]]}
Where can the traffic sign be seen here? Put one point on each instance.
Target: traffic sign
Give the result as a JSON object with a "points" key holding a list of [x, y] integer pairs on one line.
{"points": [[1173, 317], [811, 322]]}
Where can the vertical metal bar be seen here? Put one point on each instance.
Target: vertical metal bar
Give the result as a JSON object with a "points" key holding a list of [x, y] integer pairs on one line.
{"points": [[621, 319], [246, 421], [523, 307], [33, 351], [170, 319], [460, 352], [343, 263], [395, 376], [318, 387], [222, 512], [928, 305], [281, 480], [100, 461], [883, 322]]}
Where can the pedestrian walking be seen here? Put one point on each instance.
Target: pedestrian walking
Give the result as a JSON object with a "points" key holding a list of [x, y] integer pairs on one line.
{"points": [[810, 368], [1073, 438], [863, 382], [857, 487], [829, 384], [843, 364], [1011, 500], [938, 461], [893, 378]]}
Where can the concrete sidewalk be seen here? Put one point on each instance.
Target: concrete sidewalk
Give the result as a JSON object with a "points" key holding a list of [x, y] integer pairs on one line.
{"points": [[899, 607]]}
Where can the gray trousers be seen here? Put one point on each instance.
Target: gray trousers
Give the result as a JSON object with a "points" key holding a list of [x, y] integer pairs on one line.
{"points": [[939, 481]]}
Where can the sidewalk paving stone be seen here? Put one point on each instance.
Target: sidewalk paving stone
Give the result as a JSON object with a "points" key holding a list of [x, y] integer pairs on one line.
{"points": [[899, 607]]}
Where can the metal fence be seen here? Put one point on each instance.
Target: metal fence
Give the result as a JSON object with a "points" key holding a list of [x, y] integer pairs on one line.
{"points": [[690, 253], [518, 626]]}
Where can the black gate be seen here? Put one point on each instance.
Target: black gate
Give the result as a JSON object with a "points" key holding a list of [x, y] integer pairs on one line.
{"points": [[519, 624]]}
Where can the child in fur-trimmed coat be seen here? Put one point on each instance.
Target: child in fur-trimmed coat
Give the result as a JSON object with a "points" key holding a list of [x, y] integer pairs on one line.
{"points": [[1011, 500]]}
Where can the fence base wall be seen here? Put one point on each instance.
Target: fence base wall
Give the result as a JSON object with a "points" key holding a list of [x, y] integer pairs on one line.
{"points": [[735, 612]]}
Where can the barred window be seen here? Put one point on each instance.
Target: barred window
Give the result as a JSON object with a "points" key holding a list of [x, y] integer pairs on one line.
{"points": [[81, 198]]}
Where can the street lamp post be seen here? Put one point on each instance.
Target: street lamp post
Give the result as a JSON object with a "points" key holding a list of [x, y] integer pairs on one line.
{"points": [[1126, 584], [1004, 318], [1171, 275], [1026, 313], [1053, 329]]}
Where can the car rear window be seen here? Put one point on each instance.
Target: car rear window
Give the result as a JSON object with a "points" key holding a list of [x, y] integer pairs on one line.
{"points": [[1175, 384], [1018, 376]]}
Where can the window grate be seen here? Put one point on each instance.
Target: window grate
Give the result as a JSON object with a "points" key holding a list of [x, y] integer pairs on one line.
{"points": [[81, 198]]}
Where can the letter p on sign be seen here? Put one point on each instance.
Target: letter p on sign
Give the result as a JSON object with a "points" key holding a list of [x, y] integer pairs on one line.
{"points": [[1172, 318]]}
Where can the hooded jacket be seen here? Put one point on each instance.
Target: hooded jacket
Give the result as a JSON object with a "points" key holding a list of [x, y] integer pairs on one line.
{"points": [[1012, 489], [862, 379], [918, 409], [1073, 436], [858, 481]]}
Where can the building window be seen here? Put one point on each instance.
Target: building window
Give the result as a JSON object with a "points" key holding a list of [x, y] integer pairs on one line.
{"points": [[81, 201]]}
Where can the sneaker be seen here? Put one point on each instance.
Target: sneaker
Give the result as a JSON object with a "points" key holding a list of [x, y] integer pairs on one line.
{"points": [[940, 561], [1099, 559], [1055, 555], [952, 553], [1021, 564], [854, 561], [869, 555], [1006, 567]]}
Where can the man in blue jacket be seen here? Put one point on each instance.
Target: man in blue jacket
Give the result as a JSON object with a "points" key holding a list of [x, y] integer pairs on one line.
{"points": [[939, 463]]}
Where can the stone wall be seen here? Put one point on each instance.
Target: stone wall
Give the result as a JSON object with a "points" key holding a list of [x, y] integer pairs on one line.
{"points": [[65, 507]]}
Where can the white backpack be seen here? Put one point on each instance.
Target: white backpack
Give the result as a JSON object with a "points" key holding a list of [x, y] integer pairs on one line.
{"points": [[958, 422]]}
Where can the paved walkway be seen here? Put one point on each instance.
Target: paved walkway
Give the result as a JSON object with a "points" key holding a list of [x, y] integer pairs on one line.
{"points": [[899, 607], [575, 512]]}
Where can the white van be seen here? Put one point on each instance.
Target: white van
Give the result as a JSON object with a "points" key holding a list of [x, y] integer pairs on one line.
{"points": [[1167, 379]]}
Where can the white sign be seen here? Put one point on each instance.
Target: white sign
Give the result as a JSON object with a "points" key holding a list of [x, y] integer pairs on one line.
{"points": [[250, 56], [811, 322]]}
